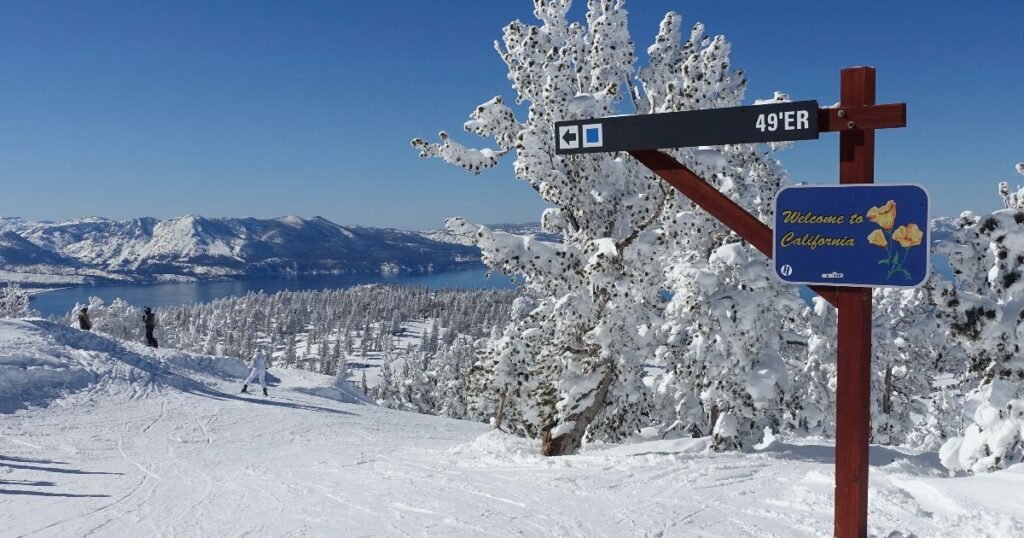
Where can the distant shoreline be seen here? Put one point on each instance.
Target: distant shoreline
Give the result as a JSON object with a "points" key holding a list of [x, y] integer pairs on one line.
{"points": [[55, 301]]}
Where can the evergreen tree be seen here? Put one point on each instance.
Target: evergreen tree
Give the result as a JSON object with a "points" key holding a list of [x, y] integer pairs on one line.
{"points": [[573, 367], [904, 350], [985, 312]]}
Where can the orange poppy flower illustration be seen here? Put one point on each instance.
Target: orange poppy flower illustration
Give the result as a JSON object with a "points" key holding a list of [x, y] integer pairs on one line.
{"points": [[883, 216], [908, 236], [877, 237]]}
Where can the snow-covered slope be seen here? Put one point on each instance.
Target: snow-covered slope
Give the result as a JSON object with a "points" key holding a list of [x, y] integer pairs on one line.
{"points": [[201, 247], [16, 250], [42, 362], [525, 228], [114, 439]]}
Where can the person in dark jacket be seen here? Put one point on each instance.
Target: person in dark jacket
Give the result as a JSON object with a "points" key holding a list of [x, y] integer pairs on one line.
{"points": [[84, 322], [149, 318]]}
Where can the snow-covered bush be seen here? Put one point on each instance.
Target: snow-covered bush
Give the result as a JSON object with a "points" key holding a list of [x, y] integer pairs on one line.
{"points": [[14, 302], [118, 319]]}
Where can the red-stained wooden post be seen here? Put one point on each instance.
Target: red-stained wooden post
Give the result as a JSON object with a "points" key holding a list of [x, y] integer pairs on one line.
{"points": [[853, 356]]}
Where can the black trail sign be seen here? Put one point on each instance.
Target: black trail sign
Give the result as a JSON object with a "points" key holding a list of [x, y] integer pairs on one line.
{"points": [[712, 127]]}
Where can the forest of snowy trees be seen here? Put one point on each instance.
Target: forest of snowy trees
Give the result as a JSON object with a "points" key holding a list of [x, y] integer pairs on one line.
{"points": [[416, 342]]}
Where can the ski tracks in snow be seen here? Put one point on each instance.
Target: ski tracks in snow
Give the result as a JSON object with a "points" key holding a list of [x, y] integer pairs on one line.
{"points": [[208, 463]]}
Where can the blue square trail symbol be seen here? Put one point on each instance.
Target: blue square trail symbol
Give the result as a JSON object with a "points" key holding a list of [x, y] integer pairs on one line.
{"points": [[852, 235], [593, 135]]}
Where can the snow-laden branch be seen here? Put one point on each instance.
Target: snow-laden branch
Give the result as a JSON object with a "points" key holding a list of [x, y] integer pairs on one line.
{"points": [[494, 118], [472, 160]]}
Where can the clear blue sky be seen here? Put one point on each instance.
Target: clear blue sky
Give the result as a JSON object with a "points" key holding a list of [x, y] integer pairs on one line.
{"points": [[246, 108]]}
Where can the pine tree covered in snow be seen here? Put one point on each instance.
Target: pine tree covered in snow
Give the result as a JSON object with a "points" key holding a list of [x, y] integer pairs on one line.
{"points": [[905, 353], [810, 405], [14, 302], [726, 347], [943, 420], [985, 311], [572, 367]]}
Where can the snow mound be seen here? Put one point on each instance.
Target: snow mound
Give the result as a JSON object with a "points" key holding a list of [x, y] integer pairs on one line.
{"points": [[331, 388], [683, 446], [42, 362], [499, 447], [30, 372]]}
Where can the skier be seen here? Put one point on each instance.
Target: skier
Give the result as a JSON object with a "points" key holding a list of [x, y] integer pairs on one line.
{"points": [[258, 365], [84, 322], [149, 318]]}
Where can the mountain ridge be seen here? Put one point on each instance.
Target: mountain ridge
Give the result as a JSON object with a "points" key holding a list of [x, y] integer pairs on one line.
{"points": [[147, 249]]}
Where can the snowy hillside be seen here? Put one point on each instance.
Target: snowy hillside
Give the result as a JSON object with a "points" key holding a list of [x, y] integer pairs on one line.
{"points": [[525, 228], [148, 249], [106, 438]]}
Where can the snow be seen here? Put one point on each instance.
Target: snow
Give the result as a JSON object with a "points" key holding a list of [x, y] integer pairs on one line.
{"points": [[606, 247], [33, 279], [141, 441]]}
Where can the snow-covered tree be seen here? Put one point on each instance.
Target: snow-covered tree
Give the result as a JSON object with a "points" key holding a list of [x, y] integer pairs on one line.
{"points": [[904, 352], [942, 421], [728, 322], [573, 366], [985, 311], [810, 405]]}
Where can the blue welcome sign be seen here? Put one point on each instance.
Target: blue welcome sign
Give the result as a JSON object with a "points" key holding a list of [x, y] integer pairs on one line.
{"points": [[852, 235]]}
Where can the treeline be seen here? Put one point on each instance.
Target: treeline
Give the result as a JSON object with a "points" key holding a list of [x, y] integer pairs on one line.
{"points": [[325, 331]]}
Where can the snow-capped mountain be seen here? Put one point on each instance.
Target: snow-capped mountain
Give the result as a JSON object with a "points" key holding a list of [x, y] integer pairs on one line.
{"points": [[146, 249], [942, 228], [16, 250]]}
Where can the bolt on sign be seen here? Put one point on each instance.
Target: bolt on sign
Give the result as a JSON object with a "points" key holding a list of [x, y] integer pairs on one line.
{"points": [[852, 235]]}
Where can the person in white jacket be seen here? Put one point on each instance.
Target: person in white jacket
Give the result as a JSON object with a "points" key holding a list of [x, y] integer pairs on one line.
{"points": [[258, 367]]}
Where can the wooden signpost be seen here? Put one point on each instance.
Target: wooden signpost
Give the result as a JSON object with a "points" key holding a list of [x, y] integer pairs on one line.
{"points": [[855, 119]]}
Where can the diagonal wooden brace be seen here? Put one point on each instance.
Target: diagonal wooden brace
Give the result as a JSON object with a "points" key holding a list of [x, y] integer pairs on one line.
{"points": [[718, 205]]}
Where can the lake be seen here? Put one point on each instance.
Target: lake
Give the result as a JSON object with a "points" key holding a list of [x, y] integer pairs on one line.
{"points": [[59, 302]]}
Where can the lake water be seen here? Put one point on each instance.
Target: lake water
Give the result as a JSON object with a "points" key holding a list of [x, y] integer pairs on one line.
{"points": [[59, 302]]}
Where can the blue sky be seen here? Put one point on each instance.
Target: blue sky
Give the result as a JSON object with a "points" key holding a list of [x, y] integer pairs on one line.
{"points": [[244, 108]]}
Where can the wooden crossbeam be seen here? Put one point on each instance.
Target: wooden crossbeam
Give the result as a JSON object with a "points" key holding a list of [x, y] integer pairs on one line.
{"points": [[840, 118], [718, 205]]}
